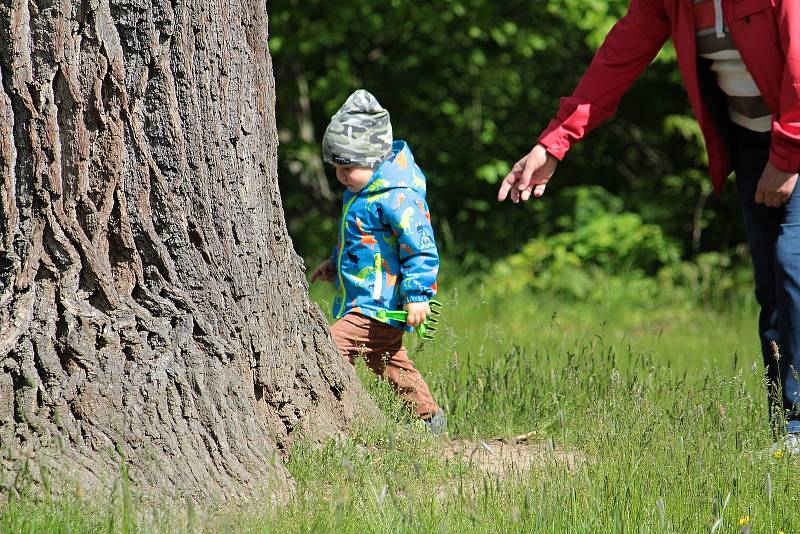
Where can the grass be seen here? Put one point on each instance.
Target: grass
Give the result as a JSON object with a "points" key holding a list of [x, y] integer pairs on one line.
{"points": [[664, 403]]}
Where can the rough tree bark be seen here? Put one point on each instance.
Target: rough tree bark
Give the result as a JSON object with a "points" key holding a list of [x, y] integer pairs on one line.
{"points": [[151, 304]]}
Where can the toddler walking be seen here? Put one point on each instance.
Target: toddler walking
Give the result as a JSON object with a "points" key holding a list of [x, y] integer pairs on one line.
{"points": [[386, 257]]}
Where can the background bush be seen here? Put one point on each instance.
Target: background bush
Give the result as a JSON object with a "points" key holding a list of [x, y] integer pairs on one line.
{"points": [[470, 84]]}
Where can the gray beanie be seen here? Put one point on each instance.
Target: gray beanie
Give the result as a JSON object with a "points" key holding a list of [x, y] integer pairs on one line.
{"points": [[360, 133]]}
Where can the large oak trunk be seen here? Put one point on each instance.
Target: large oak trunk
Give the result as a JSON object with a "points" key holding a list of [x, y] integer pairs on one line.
{"points": [[151, 305]]}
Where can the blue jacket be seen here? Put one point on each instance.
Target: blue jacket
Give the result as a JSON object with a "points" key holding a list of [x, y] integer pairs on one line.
{"points": [[386, 254]]}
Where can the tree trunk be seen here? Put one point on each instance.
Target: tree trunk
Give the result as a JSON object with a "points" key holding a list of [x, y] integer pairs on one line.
{"points": [[151, 305]]}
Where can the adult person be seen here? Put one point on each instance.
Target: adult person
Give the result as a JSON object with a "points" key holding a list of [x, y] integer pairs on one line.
{"points": [[740, 62]]}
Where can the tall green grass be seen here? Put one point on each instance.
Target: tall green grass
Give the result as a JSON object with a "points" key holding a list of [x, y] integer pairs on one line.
{"points": [[664, 404]]}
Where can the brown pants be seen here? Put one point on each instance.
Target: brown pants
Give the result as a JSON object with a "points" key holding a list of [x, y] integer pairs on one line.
{"points": [[382, 347]]}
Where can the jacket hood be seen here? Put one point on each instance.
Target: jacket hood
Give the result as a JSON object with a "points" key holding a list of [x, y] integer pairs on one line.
{"points": [[386, 255], [399, 170]]}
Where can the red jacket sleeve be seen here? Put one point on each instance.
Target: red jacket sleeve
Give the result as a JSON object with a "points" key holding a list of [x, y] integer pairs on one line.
{"points": [[628, 49], [785, 149]]}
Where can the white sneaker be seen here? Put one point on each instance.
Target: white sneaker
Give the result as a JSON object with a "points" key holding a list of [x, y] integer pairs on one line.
{"points": [[789, 444]]}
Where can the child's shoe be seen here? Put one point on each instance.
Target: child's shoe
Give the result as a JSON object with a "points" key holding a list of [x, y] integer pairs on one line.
{"points": [[437, 423]]}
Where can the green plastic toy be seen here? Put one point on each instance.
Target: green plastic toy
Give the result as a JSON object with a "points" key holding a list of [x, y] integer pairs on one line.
{"points": [[427, 329]]}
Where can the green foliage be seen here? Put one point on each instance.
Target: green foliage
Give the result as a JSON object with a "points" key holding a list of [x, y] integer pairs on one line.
{"points": [[711, 276], [596, 237], [662, 408], [598, 245], [470, 84]]}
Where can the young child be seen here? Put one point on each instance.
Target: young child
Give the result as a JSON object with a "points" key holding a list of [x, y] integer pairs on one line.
{"points": [[386, 257]]}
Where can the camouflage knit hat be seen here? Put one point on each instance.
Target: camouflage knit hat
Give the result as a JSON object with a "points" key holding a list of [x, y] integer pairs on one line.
{"points": [[359, 134]]}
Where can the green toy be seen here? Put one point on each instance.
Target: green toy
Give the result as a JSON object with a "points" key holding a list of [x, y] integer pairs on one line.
{"points": [[426, 330]]}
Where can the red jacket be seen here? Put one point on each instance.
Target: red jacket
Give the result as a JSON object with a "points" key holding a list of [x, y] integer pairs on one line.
{"points": [[767, 34]]}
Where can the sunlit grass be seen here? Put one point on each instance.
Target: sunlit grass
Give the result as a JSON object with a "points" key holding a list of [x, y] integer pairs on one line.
{"points": [[663, 403]]}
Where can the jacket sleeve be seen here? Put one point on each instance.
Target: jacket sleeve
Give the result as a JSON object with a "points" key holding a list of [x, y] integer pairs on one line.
{"points": [[407, 214], [785, 147], [628, 49]]}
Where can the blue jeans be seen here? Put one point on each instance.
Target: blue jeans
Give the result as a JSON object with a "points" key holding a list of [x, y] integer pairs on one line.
{"points": [[774, 238]]}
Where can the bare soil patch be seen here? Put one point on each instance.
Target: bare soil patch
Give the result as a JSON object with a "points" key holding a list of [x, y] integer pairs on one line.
{"points": [[505, 456]]}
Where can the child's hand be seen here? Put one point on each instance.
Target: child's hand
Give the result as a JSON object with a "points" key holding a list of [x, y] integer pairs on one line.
{"points": [[326, 272], [417, 312]]}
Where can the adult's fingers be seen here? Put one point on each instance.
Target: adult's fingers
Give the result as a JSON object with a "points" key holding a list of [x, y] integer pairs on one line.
{"points": [[766, 197], [537, 186], [526, 182], [531, 166], [505, 187], [510, 180], [760, 194], [527, 177]]}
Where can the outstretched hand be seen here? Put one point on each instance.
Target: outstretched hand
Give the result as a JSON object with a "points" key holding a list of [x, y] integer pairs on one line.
{"points": [[529, 175]]}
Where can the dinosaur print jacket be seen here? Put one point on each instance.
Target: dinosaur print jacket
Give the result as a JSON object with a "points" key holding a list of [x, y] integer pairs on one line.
{"points": [[386, 254]]}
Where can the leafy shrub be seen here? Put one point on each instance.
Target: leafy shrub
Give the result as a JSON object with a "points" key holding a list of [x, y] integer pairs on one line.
{"points": [[601, 252], [596, 237], [711, 277]]}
